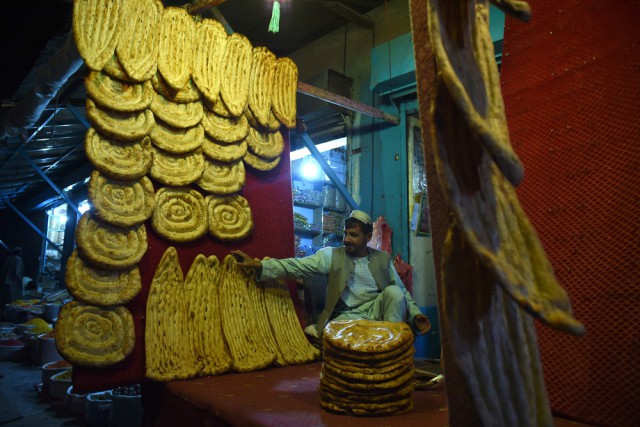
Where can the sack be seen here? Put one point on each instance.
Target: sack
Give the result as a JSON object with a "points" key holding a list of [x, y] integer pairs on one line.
{"points": [[405, 271]]}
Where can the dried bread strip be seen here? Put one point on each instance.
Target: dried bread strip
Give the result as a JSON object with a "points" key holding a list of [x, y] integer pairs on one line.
{"points": [[117, 95], [261, 84], [161, 338], [137, 47], [272, 126], [176, 170], [119, 160], [225, 129], [98, 286], [113, 68], [238, 321], [177, 35], [211, 43], [121, 203], [176, 140], [204, 314], [96, 28], [267, 145], [222, 178], [236, 72], [229, 218], [125, 126], [92, 336], [177, 114], [188, 93], [110, 247], [283, 102], [228, 153], [260, 164], [180, 214], [293, 343]]}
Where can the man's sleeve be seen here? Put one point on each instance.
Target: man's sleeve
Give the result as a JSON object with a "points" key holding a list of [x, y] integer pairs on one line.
{"points": [[412, 307], [313, 265]]}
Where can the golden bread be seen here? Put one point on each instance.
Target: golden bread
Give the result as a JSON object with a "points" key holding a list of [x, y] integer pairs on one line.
{"points": [[228, 153], [177, 35], [273, 125], [113, 68], [98, 286], [211, 43], [180, 214], [176, 170], [229, 218], [367, 336], [180, 115], [119, 160], [117, 95], [261, 84], [92, 336], [267, 145], [137, 47], [110, 247], [96, 29], [188, 93], [236, 72], [222, 178], [176, 140], [283, 103], [258, 163], [121, 203], [225, 129], [124, 126]]}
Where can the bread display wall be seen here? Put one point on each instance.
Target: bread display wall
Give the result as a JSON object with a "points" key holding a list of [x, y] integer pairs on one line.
{"points": [[170, 98]]}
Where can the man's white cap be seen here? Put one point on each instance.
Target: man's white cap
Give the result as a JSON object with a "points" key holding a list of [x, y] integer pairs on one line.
{"points": [[361, 216]]}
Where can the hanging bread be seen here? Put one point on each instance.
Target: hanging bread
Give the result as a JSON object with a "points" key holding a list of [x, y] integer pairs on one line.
{"points": [[124, 126], [236, 72], [188, 93], [222, 178], [230, 218], [180, 214], [226, 153], [284, 92], [117, 95], [261, 84], [96, 28], [272, 126], [176, 170], [113, 68], [225, 129], [264, 144], [260, 164], [176, 140], [211, 43], [117, 159], [177, 35], [137, 47], [180, 115]]}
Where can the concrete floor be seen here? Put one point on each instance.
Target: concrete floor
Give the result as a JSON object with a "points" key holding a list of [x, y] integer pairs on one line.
{"points": [[18, 395]]}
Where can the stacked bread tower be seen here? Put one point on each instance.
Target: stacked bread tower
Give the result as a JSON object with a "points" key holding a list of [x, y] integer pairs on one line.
{"points": [[177, 109], [367, 368]]}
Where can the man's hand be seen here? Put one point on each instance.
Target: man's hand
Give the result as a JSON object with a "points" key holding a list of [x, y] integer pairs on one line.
{"points": [[422, 323], [245, 260]]}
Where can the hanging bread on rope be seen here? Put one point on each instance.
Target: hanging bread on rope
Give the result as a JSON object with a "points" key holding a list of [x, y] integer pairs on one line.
{"points": [[124, 126], [117, 95], [96, 29], [208, 53], [236, 72], [177, 35], [137, 47], [118, 159], [121, 203], [283, 103], [97, 286]]}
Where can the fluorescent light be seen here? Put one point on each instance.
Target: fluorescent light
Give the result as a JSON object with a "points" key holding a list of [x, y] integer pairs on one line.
{"points": [[326, 146]]}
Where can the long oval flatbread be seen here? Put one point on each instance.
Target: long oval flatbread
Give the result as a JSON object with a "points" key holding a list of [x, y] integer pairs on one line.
{"points": [[110, 247], [284, 93], [96, 29], [177, 35], [137, 47], [211, 43], [121, 203], [188, 93], [98, 286], [117, 159], [87, 335], [180, 214], [236, 72], [261, 84]]}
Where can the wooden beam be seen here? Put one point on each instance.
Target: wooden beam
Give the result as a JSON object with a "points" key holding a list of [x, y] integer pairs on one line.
{"points": [[350, 104], [202, 5]]}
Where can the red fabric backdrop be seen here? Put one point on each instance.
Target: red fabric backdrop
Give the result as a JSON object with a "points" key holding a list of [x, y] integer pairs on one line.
{"points": [[270, 198], [571, 84]]}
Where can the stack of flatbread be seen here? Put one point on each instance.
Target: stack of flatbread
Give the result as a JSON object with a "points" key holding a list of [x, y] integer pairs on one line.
{"points": [[368, 368]]}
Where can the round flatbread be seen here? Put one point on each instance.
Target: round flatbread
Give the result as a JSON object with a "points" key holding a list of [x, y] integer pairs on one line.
{"points": [[116, 159], [229, 218], [180, 214], [180, 115], [367, 336], [98, 286], [222, 178], [88, 335], [267, 145], [176, 140], [228, 153], [124, 126], [177, 170], [260, 164], [117, 95], [225, 129]]}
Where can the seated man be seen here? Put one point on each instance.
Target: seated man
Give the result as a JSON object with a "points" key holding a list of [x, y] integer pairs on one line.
{"points": [[362, 282]]}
